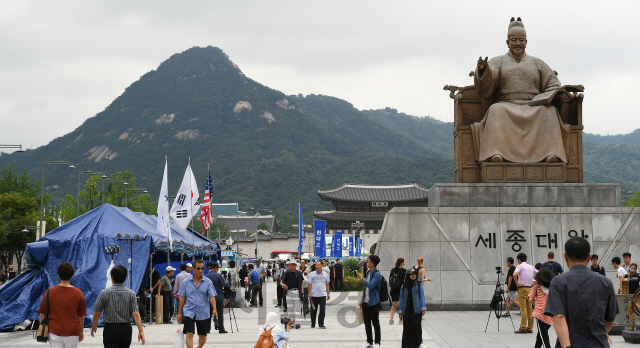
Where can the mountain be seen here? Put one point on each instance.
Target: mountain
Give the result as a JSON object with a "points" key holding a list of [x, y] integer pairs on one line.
{"points": [[266, 149]]}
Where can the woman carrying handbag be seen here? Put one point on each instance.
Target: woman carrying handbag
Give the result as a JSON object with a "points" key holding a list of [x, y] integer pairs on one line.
{"points": [[65, 308], [538, 293]]}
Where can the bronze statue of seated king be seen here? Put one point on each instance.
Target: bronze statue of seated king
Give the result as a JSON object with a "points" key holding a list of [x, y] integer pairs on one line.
{"points": [[510, 125]]}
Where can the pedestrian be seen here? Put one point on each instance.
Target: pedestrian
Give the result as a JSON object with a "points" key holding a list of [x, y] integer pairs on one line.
{"points": [[292, 284], [318, 294], [582, 303], [512, 288], [620, 271], [396, 279], [595, 267], [338, 275], [155, 288], [331, 275], [555, 267], [538, 294], [634, 284], [421, 271], [305, 285], [277, 275], [626, 257], [370, 302], [117, 305], [181, 277], [67, 310], [218, 284], [167, 295], [243, 273], [262, 272], [195, 293], [523, 275], [254, 285], [279, 336], [325, 266], [412, 307]]}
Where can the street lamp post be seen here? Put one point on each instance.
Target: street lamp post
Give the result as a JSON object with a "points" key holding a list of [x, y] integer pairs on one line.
{"points": [[44, 163], [124, 182], [18, 147], [126, 194], [257, 216], [86, 172]]}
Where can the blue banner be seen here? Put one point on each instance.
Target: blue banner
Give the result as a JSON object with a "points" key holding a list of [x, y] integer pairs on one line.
{"points": [[319, 227], [337, 244], [301, 225], [358, 247], [350, 246]]}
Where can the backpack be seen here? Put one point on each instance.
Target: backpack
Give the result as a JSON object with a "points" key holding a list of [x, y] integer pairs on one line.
{"points": [[384, 292], [395, 281], [265, 340]]}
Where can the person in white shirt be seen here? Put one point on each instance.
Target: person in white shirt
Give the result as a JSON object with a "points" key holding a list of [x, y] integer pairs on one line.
{"points": [[318, 294], [620, 271]]}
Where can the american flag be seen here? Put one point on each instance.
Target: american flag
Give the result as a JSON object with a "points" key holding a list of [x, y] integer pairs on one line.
{"points": [[205, 214]]}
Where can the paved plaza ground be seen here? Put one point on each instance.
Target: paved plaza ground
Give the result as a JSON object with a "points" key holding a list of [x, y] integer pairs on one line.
{"points": [[440, 329]]}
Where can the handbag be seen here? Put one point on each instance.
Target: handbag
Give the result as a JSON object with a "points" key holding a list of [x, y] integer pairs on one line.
{"points": [[43, 329], [359, 315]]}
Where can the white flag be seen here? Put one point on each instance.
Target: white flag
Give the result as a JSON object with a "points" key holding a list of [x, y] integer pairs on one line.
{"points": [[163, 209], [187, 202]]}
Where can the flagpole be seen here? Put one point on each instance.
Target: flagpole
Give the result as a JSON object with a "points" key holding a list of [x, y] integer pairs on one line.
{"points": [[210, 213], [168, 220], [193, 258]]}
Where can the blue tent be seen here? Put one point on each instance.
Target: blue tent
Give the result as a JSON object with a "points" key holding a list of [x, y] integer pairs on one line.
{"points": [[82, 242]]}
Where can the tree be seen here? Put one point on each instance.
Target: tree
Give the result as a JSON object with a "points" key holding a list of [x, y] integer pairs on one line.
{"points": [[263, 226], [633, 201]]}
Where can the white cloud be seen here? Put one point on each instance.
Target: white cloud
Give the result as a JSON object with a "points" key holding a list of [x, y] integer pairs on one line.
{"points": [[66, 61]]}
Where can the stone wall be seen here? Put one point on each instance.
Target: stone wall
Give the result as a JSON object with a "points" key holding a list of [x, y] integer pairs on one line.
{"points": [[462, 245]]}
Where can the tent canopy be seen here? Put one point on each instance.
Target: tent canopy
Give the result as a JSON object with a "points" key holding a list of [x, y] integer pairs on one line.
{"points": [[82, 242]]}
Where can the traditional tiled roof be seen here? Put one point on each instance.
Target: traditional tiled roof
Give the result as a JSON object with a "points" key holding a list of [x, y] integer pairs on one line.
{"points": [[248, 223], [262, 236], [373, 193], [349, 216]]}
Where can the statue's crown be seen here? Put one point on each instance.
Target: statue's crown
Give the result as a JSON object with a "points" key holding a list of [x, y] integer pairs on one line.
{"points": [[515, 23]]}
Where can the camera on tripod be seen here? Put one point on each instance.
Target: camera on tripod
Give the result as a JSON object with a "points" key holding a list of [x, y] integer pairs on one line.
{"points": [[498, 269]]}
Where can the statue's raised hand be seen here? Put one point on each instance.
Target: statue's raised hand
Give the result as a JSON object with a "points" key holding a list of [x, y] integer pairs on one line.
{"points": [[482, 63]]}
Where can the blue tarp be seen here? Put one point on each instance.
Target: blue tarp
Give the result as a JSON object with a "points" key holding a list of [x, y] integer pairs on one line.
{"points": [[82, 242]]}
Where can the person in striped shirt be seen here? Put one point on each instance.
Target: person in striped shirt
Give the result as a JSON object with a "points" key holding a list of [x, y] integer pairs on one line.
{"points": [[538, 294], [118, 304]]}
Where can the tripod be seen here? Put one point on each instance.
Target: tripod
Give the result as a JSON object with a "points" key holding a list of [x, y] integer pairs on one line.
{"points": [[496, 303], [232, 302]]}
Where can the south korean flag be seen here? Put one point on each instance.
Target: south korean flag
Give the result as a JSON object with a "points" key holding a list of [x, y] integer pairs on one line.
{"points": [[187, 202]]}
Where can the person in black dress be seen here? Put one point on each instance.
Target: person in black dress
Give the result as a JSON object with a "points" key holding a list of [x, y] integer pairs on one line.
{"points": [[399, 273], [411, 308]]}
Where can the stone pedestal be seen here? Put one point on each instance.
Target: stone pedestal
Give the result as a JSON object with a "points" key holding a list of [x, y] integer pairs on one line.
{"points": [[468, 230], [622, 321], [631, 336]]}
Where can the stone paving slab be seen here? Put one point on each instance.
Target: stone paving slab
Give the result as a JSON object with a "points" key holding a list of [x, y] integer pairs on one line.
{"points": [[440, 330]]}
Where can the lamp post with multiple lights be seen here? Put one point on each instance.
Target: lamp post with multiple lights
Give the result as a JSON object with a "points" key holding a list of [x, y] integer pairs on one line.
{"points": [[126, 194], [86, 172], [18, 147], [44, 163]]}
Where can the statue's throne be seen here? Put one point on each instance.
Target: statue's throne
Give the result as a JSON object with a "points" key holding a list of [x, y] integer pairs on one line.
{"points": [[469, 108]]}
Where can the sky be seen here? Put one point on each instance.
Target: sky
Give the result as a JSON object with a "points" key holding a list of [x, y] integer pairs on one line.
{"points": [[62, 62]]}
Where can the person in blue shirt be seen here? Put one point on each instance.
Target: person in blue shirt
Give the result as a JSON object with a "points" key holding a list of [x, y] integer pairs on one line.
{"points": [[218, 283], [411, 307], [254, 279], [370, 303], [555, 267], [195, 293]]}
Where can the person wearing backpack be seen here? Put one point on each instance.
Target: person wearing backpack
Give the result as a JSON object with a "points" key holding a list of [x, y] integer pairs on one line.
{"points": [[370, 303], [396, 277], [412, 307], [272, 335], [421, 271]]}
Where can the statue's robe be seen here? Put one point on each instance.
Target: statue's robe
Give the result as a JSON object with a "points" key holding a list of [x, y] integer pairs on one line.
{"points": [[511, 128]]}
